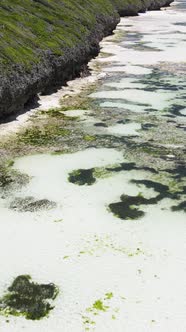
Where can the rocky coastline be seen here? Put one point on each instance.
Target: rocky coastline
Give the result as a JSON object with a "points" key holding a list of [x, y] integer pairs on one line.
{"points": [[20, 84]]}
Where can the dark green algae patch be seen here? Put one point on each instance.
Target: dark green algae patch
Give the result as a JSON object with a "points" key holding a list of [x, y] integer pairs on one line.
{"points": [[180, 207], [27, 298], [89, 176], [82, 177], [129, 206]]}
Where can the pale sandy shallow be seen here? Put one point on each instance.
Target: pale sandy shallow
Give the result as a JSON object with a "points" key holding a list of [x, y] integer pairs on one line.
{"points": [[183, 112], [80, 245], [129, 129], [89, 252], [138, 96]]}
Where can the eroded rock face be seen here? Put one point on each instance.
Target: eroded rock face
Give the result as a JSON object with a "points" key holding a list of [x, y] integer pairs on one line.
{"points": [[28, 299]]}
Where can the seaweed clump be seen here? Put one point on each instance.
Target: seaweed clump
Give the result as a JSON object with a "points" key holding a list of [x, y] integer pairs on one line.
{"points": [[162, 189], [28, 299], [131, 166], [180, 207], [158, 187], [82, 177], [127, 208], [36, 136]]}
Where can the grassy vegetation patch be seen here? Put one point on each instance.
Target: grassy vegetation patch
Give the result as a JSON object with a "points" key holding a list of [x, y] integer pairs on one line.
{"points": [[89, 138], [39, 136], [30, 28]]}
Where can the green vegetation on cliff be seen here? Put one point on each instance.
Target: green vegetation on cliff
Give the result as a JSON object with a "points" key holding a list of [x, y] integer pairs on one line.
{"points": [[31, 26]]}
